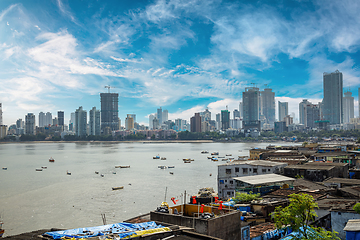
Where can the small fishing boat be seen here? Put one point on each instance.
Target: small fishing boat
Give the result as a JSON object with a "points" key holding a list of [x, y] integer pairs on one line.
{"points": [[68, 173], [4, 168], [117, 188], [96, 172], [44, 167], [162, 167], [171, 166], [228, 155], [209, 157], [38, 169], [214, 160], [102, 175], [163, 158], [125, 166], [51, 159], [156, 157], [1, 230], [172, 173], [215, 153], [204, 151], [114, 172], [187, 161], [117, 166]]}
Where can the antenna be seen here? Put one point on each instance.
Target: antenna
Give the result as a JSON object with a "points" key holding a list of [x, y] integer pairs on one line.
{"points": [[108, 87]]}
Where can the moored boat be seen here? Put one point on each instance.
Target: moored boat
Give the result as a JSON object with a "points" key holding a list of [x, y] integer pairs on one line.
{"points": [[1, 230], [117, 188], [204, 151], [171, 166], [51, 159], [68, 173], [44, 167], [187, 161], [172, 173], [4, 168], [156, 157], [125, 166], [38, 169], [163, 158], [215, 153]]}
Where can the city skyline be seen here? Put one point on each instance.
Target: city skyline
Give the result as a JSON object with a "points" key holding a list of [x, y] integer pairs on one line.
{"points": [[179, 55]]}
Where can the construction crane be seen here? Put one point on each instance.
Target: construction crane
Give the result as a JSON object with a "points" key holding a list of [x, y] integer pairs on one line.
{"points": [[108, 87]]}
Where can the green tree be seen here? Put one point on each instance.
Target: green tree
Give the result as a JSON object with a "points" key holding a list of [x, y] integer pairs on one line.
{"points": [[298, 215], [357, 208], [245, 197]]}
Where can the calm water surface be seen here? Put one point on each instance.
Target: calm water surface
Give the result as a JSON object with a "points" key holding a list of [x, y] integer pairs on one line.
{"points": [[32, 200]]}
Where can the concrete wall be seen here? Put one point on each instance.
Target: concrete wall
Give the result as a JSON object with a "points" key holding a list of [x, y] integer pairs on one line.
{"points": [[339, 220], [226, 227]]}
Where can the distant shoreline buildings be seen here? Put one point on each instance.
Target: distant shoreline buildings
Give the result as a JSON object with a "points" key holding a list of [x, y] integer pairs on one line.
{"points": [[256, 113]]}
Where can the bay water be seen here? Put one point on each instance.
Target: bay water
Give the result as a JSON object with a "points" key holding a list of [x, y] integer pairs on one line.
{"points": [[32, 200]]}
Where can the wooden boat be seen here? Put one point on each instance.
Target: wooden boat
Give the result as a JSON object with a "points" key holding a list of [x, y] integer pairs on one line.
{"points": [[96, 172], [4, 168], [204, 151], [117, 188], [162, 167], [125, 166], [44, 167], [172, 173], [171, 166], [117, 166], [1, 230], [187, 161], [215, 153], [38, 169], [114, 172], [228, 155], [102, 175], [51, 160], [156, 157], [214, 160], [68, 173], [163, 158]]}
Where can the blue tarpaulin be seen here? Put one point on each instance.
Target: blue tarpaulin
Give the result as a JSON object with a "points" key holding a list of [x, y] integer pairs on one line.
{"points": [[352, 235], [121, 229]]}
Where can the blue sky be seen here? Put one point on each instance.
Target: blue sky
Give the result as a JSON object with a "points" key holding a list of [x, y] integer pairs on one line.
{"points": [[181, 55]]}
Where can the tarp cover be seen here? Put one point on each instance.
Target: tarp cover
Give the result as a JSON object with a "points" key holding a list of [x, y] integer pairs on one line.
{"points": [[121, 229]]}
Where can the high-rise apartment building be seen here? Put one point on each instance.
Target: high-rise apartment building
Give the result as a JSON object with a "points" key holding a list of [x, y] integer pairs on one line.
{"points": [[42, 119], [267, 105], [129, 122], [94, 122], [151, 120], [348, 106], [312, 114], [180, 124], [205, 115], [80, 122], [225, 119], [109, 111], [48, 119], [165, 115], [218, 121], [283, 109], [60, 118], [333, 97], [72, 122], [159, 115], [241, 110], [19, 123], [195, 123], [302, 113], [30, 124]]}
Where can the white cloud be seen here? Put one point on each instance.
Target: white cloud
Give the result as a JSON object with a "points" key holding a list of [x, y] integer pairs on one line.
{"points": [[186, 114], [7, 10]]}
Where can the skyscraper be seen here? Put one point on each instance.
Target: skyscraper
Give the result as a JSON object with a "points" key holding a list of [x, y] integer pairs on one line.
{"points": [[61, 118], [165, 115], [241, 109], [267, 102], [225, 119], [302, 114], [30, 124], [251, 98], [312, 114], [48, 119], [72, 122], [159, 115], [129, 122], [109, 111], [218, 121], [283, 110], [151, 121], [42, 119], [80, 122], [333, 97], [195, 123], [236, 114], [348, 107], [1, 118], [94, 122]]}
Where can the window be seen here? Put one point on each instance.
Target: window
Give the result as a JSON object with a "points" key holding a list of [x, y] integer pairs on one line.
{"points": [[221, 181], [254, 170], [228, 171], [263, 170], [225, 180], [245, 170], [236, 169], [268, 169], [231, 182]]}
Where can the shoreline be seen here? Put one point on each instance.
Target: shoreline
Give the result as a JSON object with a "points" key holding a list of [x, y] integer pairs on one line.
{"points": [[132, 141]]}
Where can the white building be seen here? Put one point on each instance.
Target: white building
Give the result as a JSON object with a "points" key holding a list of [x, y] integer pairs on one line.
{"points": [[1, 118], [228, 171], [151, 120], [42, 119], [94, 122], [80, 122], [48, 119]]}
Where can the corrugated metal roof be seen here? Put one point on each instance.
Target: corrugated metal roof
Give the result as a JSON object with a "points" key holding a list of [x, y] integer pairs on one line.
{"points": [[263, 178]]}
